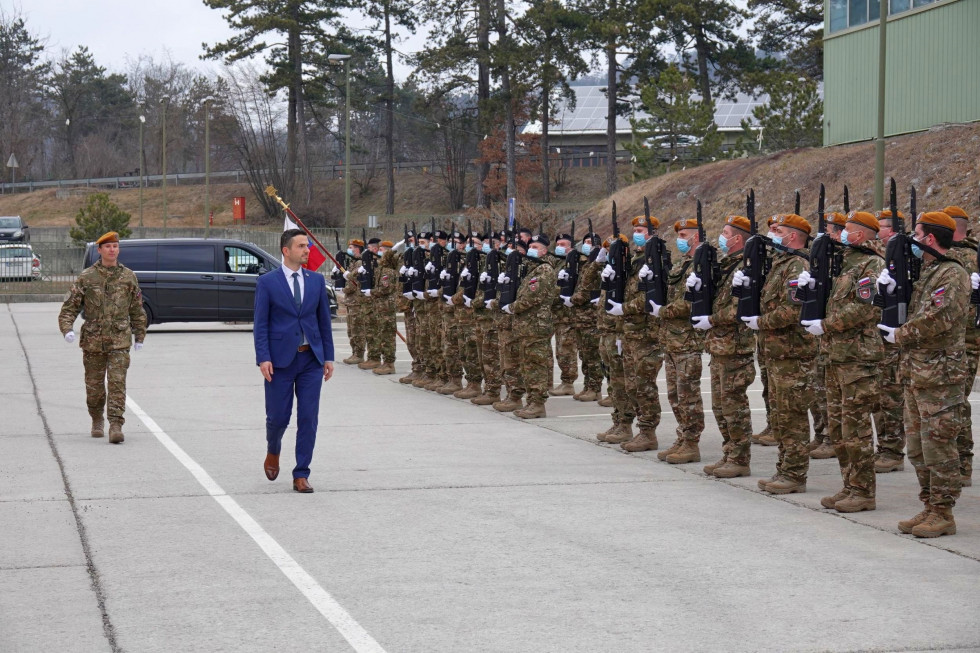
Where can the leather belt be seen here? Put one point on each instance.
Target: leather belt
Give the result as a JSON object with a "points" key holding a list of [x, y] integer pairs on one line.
{"points": [[303, 348]]}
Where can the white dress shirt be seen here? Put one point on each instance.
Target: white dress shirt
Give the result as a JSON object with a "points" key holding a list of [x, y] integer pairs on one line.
{"points": [[302, 289]]}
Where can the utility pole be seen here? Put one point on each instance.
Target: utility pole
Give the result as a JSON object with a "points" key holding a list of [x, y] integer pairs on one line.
{"points": [[165, 101], [880, 140]]}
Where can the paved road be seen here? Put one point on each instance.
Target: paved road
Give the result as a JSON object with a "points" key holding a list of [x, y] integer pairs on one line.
{"points": [[436, 526]]}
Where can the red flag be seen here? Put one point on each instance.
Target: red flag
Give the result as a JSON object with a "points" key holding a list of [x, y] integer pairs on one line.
{"points": [[316, 256]]}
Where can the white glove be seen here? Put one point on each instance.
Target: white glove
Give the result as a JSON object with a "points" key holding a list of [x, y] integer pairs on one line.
{"points": [[806, 280], [740, 279], [429, 267], [418, 294], [562, 275], [484, 277], [975, 281], [434, 292], [566, 300], [411, 272], [594, 301], [813, 326], [138, 346], [752, 322], [608, 273], [366, 292], [602, 256], [408, 295], [503, 278], [444, 275], [646, 272], [701, 322], [402, 270], [361, 270], [885, 281], [449, 299], [656, 308], [507, 309], [70, 337], [694, 282], [617, 309], [487, 303], [467, 301], [465, 274], [889, 333]]}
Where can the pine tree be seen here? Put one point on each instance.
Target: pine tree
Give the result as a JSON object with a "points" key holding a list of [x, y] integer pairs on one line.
{"points": [[23, 112], [793, 29], [99, 215], [793, 117]]}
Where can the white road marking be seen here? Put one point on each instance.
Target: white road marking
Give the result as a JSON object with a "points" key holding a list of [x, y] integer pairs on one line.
{"points": [[338, 617], [666, 412]]}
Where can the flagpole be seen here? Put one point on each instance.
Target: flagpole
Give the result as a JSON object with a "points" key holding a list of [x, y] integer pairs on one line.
{"points": [[271, 192]]}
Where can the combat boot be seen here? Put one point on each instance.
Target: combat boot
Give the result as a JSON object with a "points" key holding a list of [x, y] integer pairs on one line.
{"points": [[732, 470], [783, 485], [766, 438], [709, 469], [562, 390], [854, 503], [421, 380], [830, 502], [938, 522], [115, 433], [98, 427], [587, 395], [508, 405], [662, 455], [763, 482], [619, 434], [470, 391], [606, 402], [408, 378], [387, 368], [885, 464], [823, 451], [434, 384], [645, 440], [353, 359], [906, 525], [601, 437], [688, 452], [533, 411], [369, 364], [486, 399], [455, 384]]}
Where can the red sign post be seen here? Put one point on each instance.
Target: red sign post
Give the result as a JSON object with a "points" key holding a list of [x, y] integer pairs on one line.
{"points": [[238, 209]]}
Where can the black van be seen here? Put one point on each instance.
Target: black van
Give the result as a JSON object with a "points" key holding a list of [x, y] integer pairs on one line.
{"points": [[196, 279]]}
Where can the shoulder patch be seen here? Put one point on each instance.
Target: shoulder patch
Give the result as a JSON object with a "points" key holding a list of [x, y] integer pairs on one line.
{"points": [[938, 297], [533, 284]]}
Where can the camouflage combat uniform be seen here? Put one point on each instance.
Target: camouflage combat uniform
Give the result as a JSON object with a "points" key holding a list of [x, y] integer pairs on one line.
{"points": [[489, 346], [384, 305], [585, 325], [854, 350], [732, 367], [435, 368], [965, 251], [934, 357], [469, 339], [610, 328], [563, 319], [114, 315], [356, 304], [533, 328], [643, 354]]}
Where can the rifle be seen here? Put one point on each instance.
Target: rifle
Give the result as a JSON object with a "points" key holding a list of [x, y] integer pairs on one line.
{"points": [[453, 260], [409, 259], [902, 267], [472, 267], [492, 269], [366, 279], [825, 264], [567, 285], [436, 255], [975, 295], [513, 269], [656, 255], [847, 200], [756, 265], [418, 263], [706, 268], [796, 206], [619, 260], [343, 258]]}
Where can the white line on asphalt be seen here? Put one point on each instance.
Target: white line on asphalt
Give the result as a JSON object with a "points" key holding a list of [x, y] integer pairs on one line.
{"points": [[666, 412], [338, 617]]}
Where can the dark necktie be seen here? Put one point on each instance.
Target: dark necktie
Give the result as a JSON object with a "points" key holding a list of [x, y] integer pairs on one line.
{"points": [[297, 297]]}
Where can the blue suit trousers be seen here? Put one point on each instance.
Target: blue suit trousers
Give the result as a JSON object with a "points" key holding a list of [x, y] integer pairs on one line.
{"points": [[304, 378]]}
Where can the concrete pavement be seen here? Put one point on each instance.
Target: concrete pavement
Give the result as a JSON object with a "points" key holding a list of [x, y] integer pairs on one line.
{"points": [[436, 525]]}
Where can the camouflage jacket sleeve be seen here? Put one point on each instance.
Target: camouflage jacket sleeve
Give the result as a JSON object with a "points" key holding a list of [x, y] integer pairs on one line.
{"points": [[137, 317], [72, 305], [636, 299], [848, 311], [938, 304], [385, 283], [588, 282], [539, 286], [678, 307], [786, 312], [725, 309]]}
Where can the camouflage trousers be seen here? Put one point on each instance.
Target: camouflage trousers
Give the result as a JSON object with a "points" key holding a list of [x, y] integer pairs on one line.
{"points": [[789, 381], [684, 393], [610, 349], [964, 436], [931, 418], [510, 356], [642, 360], [565, 352], [431, 331], [386, 323], [852, 391], [490, 355], [730, 378], [411, 335], [371, 312], [469, 339], [764, 377], [587, 342], [537, 362], [889, 419], [357, 325], [818, 405], [104, 369], [451, 345]]}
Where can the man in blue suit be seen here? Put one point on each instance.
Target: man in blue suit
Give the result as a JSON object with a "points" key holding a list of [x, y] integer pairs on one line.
{"points": [[293, 348]]}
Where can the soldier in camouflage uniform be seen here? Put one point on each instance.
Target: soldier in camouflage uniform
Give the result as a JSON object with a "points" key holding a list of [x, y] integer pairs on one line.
{"points": [[485, 321], [533, 326], [384, 303], [564, 319], [731, 345], [510, 350], [934, 357], [584, 324], [889, 419], [610, 329], [406, 304], [788, 351], [370, 312], [683, 346], [436, 372], [420, 306], [110, 295], [466, 319], [964, 250], [356, 305], [854, 349], [452, 333], [765, 437]]}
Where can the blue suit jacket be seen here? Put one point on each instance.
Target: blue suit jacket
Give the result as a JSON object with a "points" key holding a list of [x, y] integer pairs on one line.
{"points": [[279, 326]]}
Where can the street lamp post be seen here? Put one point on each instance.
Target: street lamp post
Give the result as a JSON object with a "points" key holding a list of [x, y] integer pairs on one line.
{"points": [[140, 166], [880, 131], [345, 60], [165, 101], [207, 166]]}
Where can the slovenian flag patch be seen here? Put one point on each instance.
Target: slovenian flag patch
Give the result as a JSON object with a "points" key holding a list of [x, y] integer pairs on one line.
{"points": [[938, 296], [864, 282]]}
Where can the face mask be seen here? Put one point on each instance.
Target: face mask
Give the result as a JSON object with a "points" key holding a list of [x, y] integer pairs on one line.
{"points": [[844, 239], [468, 248], [510, 250], [723, 244], [533, 253], [639, 239], [486, 248], [432, 245], [350, 251], [683, 246], [586, 249], [778, 240], [770, 235], [560, 251], [916, 250]]}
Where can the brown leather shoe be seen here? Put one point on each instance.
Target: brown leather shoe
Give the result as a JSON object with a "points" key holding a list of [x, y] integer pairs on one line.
{"points": [[302, 485], [271, 466]]}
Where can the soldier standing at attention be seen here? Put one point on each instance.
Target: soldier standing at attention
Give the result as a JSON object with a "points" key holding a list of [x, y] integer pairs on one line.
{"points": [[533, 326], [731, 345], [788, 352], [485, 321], [406, 304], [510, 348], [765, 438], [355, 303], [565, 350], [384, 296], [854, 349], [113, 303], [584, 325], [469, 330], [683, 346], [611, 350], [934, 357], [371, 312]]}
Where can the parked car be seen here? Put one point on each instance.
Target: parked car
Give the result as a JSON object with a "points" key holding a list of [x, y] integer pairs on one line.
{"points": [[13, 230], [196, 279], [19, 262]]}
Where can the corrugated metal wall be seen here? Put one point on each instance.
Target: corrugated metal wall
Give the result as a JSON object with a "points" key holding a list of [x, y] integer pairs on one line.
{"points": [[933, 73]]}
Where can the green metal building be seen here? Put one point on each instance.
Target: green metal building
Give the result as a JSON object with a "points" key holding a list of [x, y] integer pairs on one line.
{"points": [[933, 66]]}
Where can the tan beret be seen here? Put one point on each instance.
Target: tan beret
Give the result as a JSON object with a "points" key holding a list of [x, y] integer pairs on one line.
{"points": [[956, 212], [937, 218], [793, 221], [886, 214], [356, 242], [864, 219], [739, 222], [690, 223], [641, 221], [836, 218], [387, 243], [111, 237]]}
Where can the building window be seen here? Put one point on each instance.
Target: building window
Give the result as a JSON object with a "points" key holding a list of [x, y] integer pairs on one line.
{"points": [[852, 13], [857, 12], [838, 15]]}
